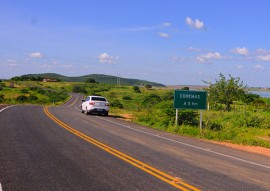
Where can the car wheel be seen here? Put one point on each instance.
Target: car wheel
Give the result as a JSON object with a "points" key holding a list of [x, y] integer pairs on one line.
{"points": [[106, 113]]}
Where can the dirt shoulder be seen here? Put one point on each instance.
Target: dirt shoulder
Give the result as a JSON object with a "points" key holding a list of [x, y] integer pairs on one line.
{"points": [[3, 106]]}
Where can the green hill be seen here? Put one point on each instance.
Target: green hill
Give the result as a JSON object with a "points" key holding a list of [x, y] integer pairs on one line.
{"points": [[101, 78]]}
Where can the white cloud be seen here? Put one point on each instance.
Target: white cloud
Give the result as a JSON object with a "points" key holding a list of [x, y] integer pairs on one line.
{"points": [[36, 55], [66, 65], [263, 54], [106, 58], [163, 35], [239, 67], [263, 51], [209, 56], [264, 57], [242, 51], [197, 24], [46, 66], [166, 24], [193, 49], [258, 67], [11, 63], [176, 59]]}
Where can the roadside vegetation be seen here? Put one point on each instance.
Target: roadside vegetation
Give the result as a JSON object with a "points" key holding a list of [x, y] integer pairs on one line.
{"points": [[234, 115]]}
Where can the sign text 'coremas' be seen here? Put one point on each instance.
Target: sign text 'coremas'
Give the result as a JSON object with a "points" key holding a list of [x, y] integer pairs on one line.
{"points": [[184, 99]]}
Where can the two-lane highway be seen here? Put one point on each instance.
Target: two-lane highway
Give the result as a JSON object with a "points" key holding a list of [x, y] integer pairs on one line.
{"points": [[59, 148]]}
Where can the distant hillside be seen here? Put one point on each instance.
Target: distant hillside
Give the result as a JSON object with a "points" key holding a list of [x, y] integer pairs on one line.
{"points": [[101, 78]]}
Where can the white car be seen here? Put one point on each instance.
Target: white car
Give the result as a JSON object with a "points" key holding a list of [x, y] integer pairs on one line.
{"points": [[95, 104]]}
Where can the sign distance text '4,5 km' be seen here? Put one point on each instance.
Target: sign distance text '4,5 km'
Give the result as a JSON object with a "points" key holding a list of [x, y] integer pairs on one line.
{"points": [[184, 99]]}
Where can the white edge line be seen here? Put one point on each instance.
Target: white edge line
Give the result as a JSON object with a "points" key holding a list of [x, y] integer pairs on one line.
{"points": [[179, 142], [6, 108], [1, 187]]}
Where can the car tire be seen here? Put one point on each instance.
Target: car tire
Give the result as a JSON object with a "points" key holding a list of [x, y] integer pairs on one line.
{"points": [[106, 113]]}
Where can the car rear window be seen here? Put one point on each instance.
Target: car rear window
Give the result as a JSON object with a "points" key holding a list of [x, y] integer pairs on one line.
{"points": [[98, 99]]}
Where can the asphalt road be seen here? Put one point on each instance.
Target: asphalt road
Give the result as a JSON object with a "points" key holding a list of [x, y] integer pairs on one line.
{"points": [[36, 153]]}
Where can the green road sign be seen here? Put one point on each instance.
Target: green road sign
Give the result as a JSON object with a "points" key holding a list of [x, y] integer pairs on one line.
{"points": [[184, 99]]}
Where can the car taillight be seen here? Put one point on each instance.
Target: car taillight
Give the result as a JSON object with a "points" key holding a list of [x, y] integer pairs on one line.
{"points": [[91, 103], [107, 104]]}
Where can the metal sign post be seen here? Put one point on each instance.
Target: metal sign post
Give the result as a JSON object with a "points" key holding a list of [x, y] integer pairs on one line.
{"points": [[176, 117]]}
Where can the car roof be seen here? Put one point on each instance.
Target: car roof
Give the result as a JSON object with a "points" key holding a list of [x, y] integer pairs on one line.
{"points": [[96, 96]]}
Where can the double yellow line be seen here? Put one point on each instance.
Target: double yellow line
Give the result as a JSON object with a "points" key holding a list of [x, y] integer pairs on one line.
{"points": [[174, 181]]}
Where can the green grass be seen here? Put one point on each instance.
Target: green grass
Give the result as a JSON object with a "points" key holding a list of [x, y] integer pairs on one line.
{"points": [[248, 125]]}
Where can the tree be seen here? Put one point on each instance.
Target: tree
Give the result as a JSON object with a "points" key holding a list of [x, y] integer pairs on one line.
{"points": [[136, 89], [148, 86], [225, 91], [249, 98], [90, 80], [185, 88]]}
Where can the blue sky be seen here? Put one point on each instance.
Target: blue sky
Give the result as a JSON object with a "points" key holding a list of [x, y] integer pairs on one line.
{"points": [[174, 42]]}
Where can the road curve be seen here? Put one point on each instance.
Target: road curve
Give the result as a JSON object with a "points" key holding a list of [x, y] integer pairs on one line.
{"points": [[38, 154]]}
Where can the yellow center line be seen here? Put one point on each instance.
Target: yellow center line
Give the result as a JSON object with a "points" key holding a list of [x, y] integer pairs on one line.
{"points": [[174, 181], [73, 102]]}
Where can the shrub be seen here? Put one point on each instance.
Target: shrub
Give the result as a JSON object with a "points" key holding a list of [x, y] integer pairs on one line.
{"points": [[148, 86], [2, 84], [136, 89], [2, 98], [40, 91], [116, 103], [127, 98], [33, 88], [188, 118], [32, 98], [57, 96], [151, 100], [21, 98], [169, 95], [79, 89], [90, 80], [1, 88], [25, 91]]}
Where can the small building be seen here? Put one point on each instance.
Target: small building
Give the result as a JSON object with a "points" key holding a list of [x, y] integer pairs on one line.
{"points": [[49, 80]]}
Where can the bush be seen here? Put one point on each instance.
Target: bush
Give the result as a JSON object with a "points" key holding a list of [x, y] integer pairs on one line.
{"points": [[90, 80], [57, 96], [79, 89], [34, 88], [127, 98], [136, 89], [32, 98], [2, 98], [188, 118], [21, 98], [2, 84], [151, 100], [148, 86], [116, 103], [1, 88], [169, 95], [40, 91], [24, 91]]}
